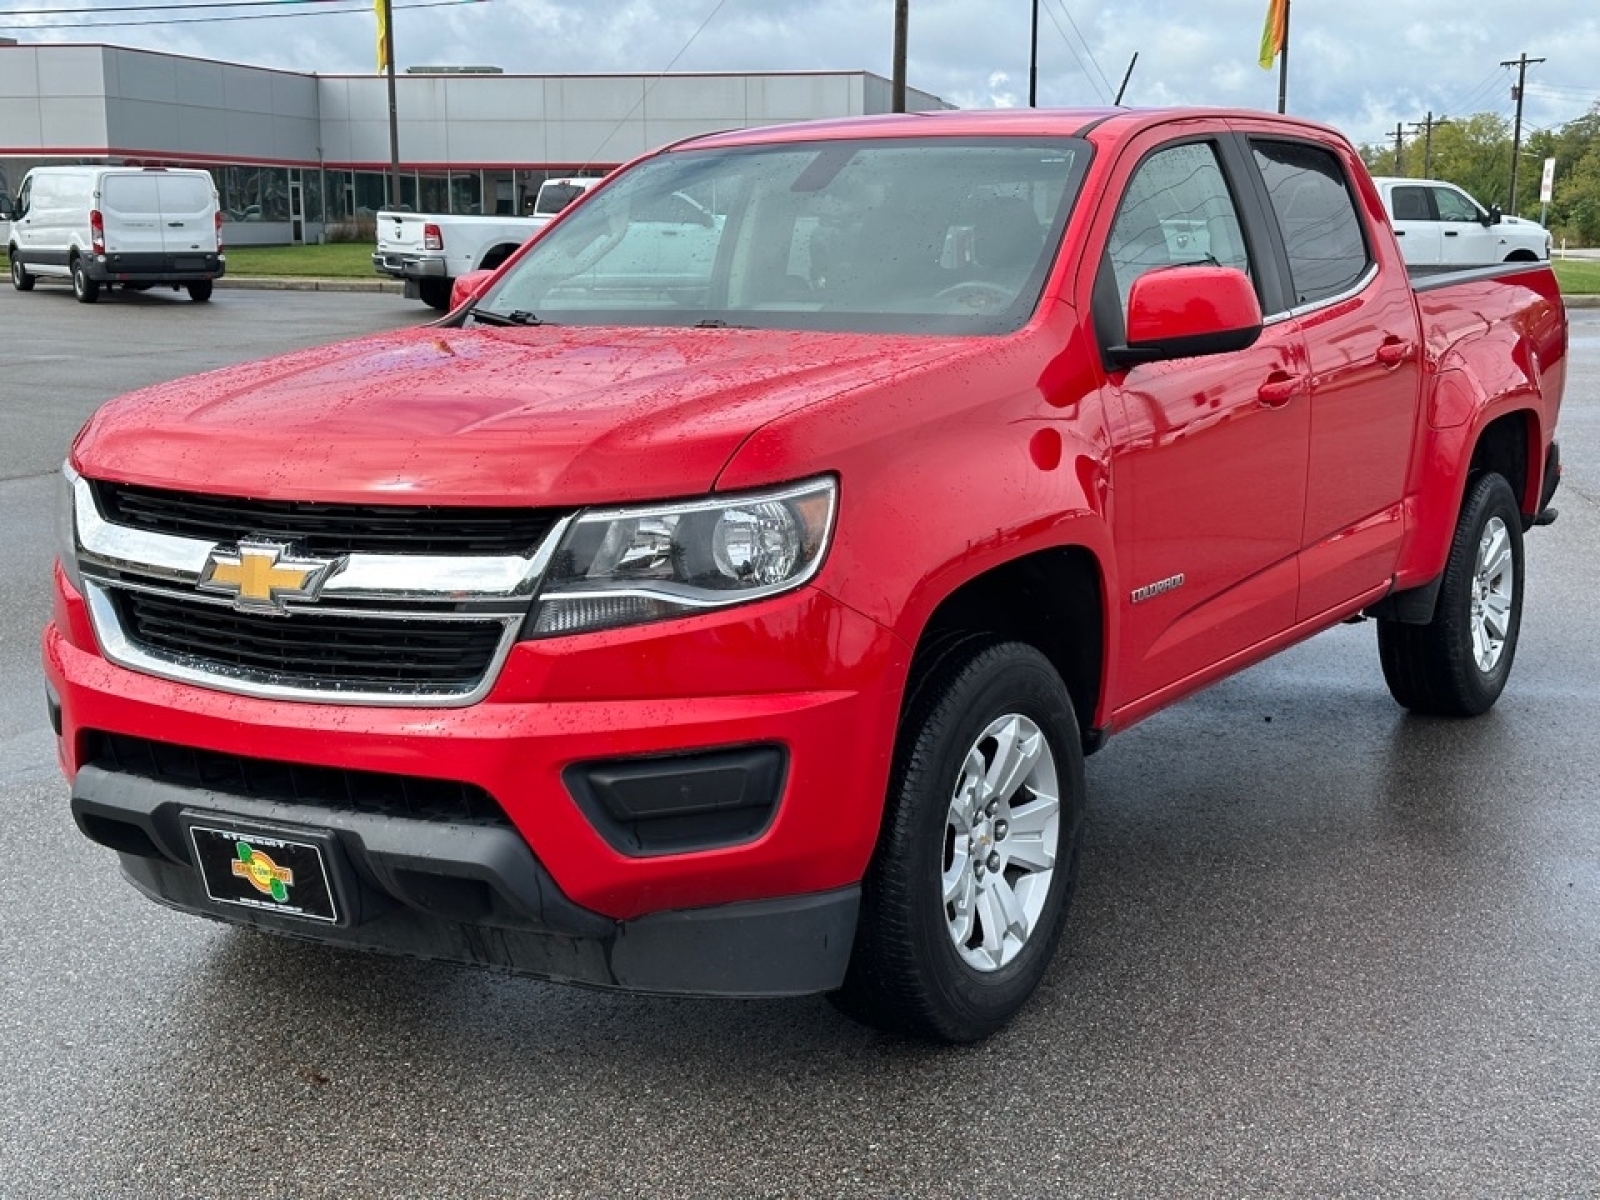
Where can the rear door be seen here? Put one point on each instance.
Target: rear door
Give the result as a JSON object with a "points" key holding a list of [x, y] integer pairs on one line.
{"points": [[130, 208], [188, 214], [1355, 306], [1416, 224]]}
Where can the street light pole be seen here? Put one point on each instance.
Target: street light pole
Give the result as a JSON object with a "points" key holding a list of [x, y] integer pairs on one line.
{"points": [[897, 99]]}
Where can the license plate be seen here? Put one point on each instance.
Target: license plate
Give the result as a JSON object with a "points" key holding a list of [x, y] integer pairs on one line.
{"points": [[270, 872], [189, 264]]}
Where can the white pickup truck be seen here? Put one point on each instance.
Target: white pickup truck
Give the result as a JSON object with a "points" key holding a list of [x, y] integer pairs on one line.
{"points": [[429, 251], [1439, 225]]}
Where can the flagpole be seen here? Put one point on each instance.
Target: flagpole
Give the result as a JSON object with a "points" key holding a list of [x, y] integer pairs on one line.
{"points": [[1283, 63]]}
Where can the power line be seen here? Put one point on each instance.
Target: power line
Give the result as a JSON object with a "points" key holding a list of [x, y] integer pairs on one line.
{"points": [[1075, 57], [318, 11], [1066, 12], [145, 8]]}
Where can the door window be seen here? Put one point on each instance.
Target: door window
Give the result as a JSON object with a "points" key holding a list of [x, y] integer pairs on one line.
{"points": [[1321, 233], [1453, 206], [1410, 204], [1177, 211]]}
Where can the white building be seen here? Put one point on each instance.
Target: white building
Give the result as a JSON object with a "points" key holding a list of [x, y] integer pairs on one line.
{"points": [[297, 156]]}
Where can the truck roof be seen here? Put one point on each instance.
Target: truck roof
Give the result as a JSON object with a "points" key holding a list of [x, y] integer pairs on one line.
{"points": [[1113, 124]]}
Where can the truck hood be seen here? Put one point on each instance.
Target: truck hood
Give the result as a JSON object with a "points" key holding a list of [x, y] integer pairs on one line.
{"points": [[486, 416]]}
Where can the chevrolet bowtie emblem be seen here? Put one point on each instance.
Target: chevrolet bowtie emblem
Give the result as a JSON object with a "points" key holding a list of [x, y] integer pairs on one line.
{"points": [[261, 576]]}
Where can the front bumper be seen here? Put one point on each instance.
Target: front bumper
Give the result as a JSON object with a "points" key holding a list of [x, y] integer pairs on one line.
{"points": [[409, 266], [549, 892]]}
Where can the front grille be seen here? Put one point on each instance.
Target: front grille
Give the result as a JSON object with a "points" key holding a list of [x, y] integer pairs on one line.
{"points": [[294, 783], [328, 530], [309, 649]]}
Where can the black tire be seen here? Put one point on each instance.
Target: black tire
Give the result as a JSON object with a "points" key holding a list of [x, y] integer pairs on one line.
{"points": [[200, 290], [435, 293], [907, 974], [85, 289], [1436, 669], [20, 279]]}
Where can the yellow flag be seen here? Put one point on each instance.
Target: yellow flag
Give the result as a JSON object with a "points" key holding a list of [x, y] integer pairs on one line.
{"points": [[381, 8], [1272, 32]]}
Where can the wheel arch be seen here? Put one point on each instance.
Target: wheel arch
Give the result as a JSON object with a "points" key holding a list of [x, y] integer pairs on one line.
{"points": [[1053, 600], [496, 255]]}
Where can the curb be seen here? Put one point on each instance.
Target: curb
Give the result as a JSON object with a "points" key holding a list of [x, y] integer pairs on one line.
{"points": [[287, 283]]}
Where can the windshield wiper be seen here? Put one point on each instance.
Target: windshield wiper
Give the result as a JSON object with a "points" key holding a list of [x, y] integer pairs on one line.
{"points": [[517, 316], [718, 323]]}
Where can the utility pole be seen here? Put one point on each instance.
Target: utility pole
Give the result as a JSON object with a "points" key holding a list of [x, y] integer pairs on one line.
{"points": [[1399, 147], [897, 93], [394, 108], [1427, 127], [1033, 61], [1521, 63]]}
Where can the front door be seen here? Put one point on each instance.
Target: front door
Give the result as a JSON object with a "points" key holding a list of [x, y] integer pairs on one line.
{"points": [[1209, 456]]}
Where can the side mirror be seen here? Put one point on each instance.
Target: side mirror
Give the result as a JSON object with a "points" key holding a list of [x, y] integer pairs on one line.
{"points": [[469, 287], [5, 208], [1494, 215], [1186, 312]]}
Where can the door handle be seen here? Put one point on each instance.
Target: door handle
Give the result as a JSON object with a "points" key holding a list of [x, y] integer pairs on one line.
{"points": [[1279, 389], [1452, 233], [1399, 233], [1394, 352]]}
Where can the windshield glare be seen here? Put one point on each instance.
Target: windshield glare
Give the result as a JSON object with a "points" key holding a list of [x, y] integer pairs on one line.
{"points": [[923, 235]]}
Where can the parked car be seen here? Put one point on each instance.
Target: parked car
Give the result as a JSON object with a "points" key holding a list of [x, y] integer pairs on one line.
{"points": [[1440, 225], [736, 623], [131, 227], [429, 251]]}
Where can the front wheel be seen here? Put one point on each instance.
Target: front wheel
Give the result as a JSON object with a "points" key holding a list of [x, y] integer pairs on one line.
{"points": [[1457, 664], [435, 293], [967, 895], [20, 279], [85, 289]]}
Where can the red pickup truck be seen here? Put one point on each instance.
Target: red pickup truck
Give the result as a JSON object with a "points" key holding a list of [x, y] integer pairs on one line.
{"points": [[736, 623]]}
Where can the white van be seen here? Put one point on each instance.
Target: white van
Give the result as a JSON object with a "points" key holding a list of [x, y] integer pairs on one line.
{"points": [[126, 226]]}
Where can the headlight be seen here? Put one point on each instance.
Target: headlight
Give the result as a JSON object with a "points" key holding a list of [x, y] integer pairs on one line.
{"points": [[629, 565], [67, 525]]}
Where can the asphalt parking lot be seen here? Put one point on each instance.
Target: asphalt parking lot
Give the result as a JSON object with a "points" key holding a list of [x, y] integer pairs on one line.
{"points": [[1319, 947]]}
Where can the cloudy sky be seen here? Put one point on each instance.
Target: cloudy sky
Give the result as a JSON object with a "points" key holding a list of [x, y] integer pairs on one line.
{"points": [[1362, 65]]}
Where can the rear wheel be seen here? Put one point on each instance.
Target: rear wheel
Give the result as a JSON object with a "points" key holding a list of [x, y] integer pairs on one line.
{"points": [[435, 293], [200, 290], [85, 289], [20, 279], [1457, 664], [967, 895]]}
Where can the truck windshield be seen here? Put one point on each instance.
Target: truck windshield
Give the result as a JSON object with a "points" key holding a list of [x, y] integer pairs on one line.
{"points": [[937, 235]]}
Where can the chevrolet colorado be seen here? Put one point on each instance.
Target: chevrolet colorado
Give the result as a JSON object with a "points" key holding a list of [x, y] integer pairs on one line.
{"points": [[739, 627]]}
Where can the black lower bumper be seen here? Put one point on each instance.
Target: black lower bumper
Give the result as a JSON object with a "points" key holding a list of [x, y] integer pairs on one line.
{"points": [[155, 268], [471, 894]]}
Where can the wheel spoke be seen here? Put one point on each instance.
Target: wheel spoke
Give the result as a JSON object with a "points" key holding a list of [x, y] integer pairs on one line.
{"points": [[994, 927], [1494, 553], [1031, 840], [958, 895], [1014, 757], [1016, 920], [958, 881]]}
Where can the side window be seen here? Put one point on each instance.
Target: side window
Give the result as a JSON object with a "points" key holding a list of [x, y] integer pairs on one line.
{"points": [[1321, 231], [1453, 206], [1177, 211], [1410, 204], [23, 197]]}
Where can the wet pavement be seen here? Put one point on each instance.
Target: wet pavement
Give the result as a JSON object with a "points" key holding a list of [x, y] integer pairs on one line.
{"points": [[1319, 947]]}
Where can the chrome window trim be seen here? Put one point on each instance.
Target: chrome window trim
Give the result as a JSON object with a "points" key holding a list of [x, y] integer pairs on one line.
{"points": [[1363, 281], [117, 648]]}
